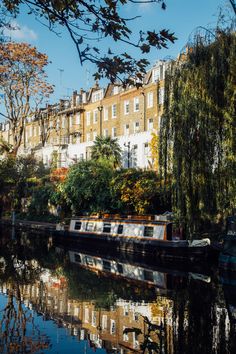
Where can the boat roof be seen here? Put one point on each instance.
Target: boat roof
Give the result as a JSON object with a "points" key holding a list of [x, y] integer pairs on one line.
{"points": [[132, 220]]}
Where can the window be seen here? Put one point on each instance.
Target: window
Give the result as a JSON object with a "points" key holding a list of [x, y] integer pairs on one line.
{"points": [[77, 258], [113, 327], [94, 318], [148, 275], [88, 118], [126, 310], [115, 90], [97, 96], [86, 315], [77, 118], [113, 111], [105, 133], [89, 226], [161, 95], [78, 225], [156, 74], [136, 127], [71, 120], [105, 113], [148, 231], [119, 268], [89, 261], [126, 129], [63, 122], [125, 335], [106, 265], [150, 99], [136, 104], [88, 137], [150, 124], [120, 229], [95, 116], [113, 132], [107, 227], [126, 107], [104, 321]]}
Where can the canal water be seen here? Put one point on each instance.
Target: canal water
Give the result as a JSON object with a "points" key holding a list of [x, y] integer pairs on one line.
{"points": [[58, 298]]}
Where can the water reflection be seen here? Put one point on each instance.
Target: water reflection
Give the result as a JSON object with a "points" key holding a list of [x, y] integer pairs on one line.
{"points": [[62, 299]]}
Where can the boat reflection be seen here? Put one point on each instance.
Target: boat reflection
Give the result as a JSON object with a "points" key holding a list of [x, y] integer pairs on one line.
{"points": [[113, 303], [162, 278]]}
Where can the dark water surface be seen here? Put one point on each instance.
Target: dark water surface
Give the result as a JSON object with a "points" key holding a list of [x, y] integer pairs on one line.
{"points": [[58, 298]]}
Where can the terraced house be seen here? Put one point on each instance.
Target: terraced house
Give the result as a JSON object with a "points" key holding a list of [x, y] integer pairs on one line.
{"points": [[63, 133]]}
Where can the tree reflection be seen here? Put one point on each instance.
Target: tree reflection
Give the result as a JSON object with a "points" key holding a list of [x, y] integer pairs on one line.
{"points": [[18, 330]]}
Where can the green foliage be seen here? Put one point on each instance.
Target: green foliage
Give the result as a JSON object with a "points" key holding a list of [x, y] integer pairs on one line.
{"points": [[87, 186], [106, 148], [17, 178], [40, 200], [139, 192], [101, 19], [198, 132]]}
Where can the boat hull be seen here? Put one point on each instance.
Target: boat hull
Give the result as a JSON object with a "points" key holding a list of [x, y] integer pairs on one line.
{"points": [[156, 248]]}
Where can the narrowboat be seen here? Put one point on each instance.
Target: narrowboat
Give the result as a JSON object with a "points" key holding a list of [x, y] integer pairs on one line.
{"points": [[154, 236], [227, 259], [133, 272]]}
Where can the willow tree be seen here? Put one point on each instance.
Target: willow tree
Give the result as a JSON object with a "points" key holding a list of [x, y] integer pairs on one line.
{"points": [[198, 130], [23, 84]]}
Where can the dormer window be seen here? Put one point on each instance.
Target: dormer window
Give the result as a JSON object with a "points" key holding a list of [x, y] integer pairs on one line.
{"points": [[97, 95], [115, 90]]}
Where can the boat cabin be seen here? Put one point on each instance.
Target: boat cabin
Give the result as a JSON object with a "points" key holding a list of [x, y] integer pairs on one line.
{"points": [[161, 230]]}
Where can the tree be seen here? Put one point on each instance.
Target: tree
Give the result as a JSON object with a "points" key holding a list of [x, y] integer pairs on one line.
{"points": [[23, 82], [198, 145], [106, 148], [17, 175], [87, 186], [136, 191], [91, 21]]}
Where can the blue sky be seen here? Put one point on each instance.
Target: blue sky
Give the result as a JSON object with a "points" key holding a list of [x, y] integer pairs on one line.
{"points": [[65, 72]]}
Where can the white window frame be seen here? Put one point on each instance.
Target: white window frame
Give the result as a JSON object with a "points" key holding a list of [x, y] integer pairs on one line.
{"points": [[105, 133], [150, 97], [78, 118], [136, 104], [126, 129], [112, 327], [88, 137], [114, 110], [126, 107], [105, 117], [88, 118], [150, 123], [136, 127], [113, 132]]}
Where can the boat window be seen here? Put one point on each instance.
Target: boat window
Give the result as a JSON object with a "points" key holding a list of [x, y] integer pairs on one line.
{"points": [[107, 227], [119, 268], [78, 225], [89, 226], [77, 258], [106, 265], [89, 261], [148, 275], [148, 231], [120, 229]]}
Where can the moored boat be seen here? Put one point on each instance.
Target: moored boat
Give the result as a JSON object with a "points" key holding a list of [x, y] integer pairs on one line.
{"points": [[154, 236]]}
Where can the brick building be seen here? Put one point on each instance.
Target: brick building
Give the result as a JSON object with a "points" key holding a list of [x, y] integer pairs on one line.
{"points": [[65, 131]]}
